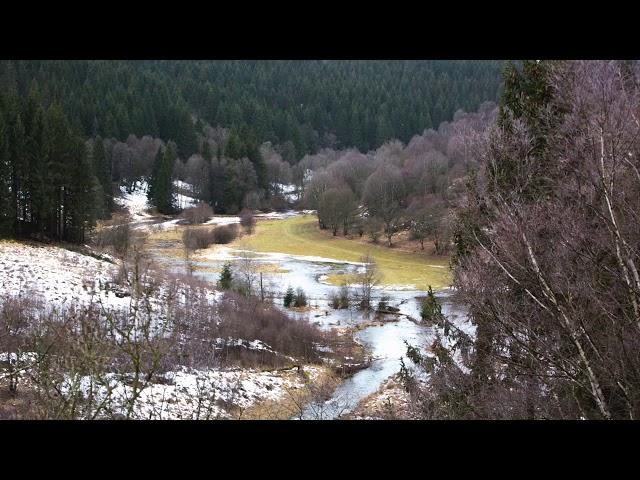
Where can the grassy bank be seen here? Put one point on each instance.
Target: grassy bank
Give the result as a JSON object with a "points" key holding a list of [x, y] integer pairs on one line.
{"points": [[300, 236]]}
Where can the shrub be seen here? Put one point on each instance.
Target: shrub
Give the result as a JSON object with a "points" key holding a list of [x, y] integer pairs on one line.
{"points": [[300, 299], [198, 214], [341, 299], [117, 236], [247, 220], [383, 304], [250, 319], [195, 238], [224, 234]]}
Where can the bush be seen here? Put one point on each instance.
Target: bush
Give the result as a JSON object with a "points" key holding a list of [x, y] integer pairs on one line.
{"points": [[117, 236], [247, 220], [341, 299], [300, 299], [250, 319], [383, 304], [195, 238], [224, 234], [198, 214]]}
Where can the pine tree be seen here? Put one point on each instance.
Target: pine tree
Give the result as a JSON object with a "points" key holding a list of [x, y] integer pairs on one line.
{"points": [[6, 211], [102, 169], [289, 297], [151, 188], [81, 207], [16, 139], [430, 309], [206, 151], [226, 277], [161, 191], [526, 97]]}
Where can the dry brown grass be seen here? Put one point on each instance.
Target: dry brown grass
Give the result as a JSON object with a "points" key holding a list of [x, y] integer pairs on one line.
{"points": [[389, 402], [293, 399]]}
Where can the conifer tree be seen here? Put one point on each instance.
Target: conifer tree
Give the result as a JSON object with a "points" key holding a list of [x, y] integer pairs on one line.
{"points": [[102, 169], [289, 297], [226, 277], [6, 211], [161, 192]]}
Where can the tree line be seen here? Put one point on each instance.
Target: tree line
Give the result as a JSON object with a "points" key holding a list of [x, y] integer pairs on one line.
{"points": [[51, 187], [299, 106], [397, 187]]}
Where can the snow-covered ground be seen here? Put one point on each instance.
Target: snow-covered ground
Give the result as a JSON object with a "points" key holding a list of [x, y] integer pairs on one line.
{"points": [[289, 191], [282, 215], [200, 394], [184, 201], [223, 220], [57, 275], [136, 202], [61, 277]]}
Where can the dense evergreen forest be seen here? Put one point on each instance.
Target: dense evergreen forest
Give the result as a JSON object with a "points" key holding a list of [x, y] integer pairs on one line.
{"points": [[72, 131], [49, 187], [299, 105]]}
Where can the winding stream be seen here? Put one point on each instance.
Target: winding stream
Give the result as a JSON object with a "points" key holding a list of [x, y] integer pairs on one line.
{"points": [[385, 343]]}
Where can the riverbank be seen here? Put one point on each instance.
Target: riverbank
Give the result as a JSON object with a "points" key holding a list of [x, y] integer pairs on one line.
{"points": [[299, 235]]}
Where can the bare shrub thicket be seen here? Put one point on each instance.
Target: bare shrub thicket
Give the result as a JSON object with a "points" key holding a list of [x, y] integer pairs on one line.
{"points": [[116, 235], [197, 238], [225, 234], [367, 278], [249, 318], [342, 298], [201, 213], [96, 361], [247, 220]]}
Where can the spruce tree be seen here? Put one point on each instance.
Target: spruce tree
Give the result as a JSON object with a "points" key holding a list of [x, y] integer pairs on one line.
{"points": [[226, 277], [6, 211], [289, 297], [102, 169], [161, 191], [430, 309]]}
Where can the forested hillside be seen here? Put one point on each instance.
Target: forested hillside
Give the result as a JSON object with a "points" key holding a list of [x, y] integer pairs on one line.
{"points": [[300, 106], [231, 129], [49, 187]]}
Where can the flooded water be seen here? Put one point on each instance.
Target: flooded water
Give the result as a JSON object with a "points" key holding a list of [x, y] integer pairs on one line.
{"points": [[386, 343]]}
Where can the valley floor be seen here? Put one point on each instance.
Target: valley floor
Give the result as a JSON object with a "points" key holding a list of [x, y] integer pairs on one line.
{"points": [[300, 235]]}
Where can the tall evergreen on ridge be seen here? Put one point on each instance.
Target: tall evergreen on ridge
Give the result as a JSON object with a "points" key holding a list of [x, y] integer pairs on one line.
{"points": [[102, 168], [46, 181], [6, 210], [161, 192], [526, 99]]}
